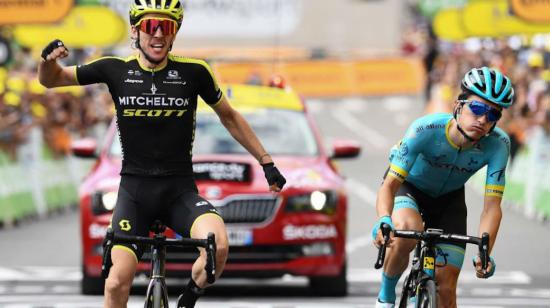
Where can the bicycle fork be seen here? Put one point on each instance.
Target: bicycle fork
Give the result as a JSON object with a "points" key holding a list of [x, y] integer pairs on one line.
{"points": [[157, 290]]}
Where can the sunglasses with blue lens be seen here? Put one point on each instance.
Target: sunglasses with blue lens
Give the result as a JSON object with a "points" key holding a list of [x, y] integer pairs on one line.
{"points": [[479, 109]]}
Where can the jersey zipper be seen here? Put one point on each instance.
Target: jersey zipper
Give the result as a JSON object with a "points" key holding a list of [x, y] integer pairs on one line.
{"points": [[153, 86]]}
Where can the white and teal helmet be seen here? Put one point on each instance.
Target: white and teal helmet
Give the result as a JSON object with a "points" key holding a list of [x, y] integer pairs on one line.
{"points": [[489, 84]]}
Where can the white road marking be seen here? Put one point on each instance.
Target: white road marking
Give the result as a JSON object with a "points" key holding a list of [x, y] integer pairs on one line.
{"points": [[466, 278], [397, 103], [8, 273], [357, 243], [487, 292], [510, 277], [34, 273], [30, 289], [135, 301], [376, 139], [402, 119], [502, 302], [354, 104], [362, 191], [65, 289], [543, 293], [366, 275], [315, 105]]}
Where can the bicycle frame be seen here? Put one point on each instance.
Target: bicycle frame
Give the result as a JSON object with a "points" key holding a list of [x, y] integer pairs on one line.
{"points": [[425, 253]]}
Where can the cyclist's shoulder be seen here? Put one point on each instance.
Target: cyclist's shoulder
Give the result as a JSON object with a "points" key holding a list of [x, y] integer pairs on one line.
{"points": [[428, 125], [181, 60], [110, 60], [433, 120], [498, 138]]}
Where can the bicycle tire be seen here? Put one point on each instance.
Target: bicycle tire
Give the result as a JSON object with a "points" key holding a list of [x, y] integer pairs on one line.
{"points": [[155, 297], [426, 296], [406, 292], [158, 293]]}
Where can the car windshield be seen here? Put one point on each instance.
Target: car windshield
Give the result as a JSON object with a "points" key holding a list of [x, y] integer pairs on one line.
{"points": [[282, 132]]}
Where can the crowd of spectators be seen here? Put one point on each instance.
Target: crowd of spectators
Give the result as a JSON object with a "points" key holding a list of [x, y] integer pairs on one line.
{"points": [[60, 114], [525, 65], [76, 112], [525, 59]]}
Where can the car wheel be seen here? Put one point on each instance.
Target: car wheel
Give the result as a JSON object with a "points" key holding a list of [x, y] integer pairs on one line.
{"points": [[330, 285], [91, 285]]}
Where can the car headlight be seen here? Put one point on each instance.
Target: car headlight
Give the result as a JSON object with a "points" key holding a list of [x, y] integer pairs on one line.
{"points": [[315, 201], [103, 202]]}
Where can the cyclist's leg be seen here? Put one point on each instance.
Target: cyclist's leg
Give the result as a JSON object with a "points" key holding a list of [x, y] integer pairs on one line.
{"points": [[203, 225], [405, 215], [119, 282], [452, 219], [192, 216], [126, 220]]}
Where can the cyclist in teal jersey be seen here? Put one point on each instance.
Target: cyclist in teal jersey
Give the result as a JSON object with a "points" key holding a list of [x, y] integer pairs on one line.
{"points": [[424, 185], [155, 95]]}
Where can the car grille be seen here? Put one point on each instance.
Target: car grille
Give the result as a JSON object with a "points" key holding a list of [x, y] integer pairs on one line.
{"points": [[237, 254], [245, 209]]}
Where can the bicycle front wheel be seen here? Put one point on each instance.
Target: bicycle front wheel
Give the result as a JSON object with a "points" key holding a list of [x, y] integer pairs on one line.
{"points": [[155, 297], [426, 297], [406, 292]]}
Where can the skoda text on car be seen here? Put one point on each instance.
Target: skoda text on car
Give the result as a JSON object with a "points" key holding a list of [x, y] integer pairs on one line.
{"points": [[300, 231]]}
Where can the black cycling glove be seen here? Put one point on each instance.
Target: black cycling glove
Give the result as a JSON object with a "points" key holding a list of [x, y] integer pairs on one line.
{"points": [[51, 46], [273, 175]]}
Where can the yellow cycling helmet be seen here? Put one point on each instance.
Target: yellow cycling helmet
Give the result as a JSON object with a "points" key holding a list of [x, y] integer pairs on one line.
{"points": [[171, 8]]}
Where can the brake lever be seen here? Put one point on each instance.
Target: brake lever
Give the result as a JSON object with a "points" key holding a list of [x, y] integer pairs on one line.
{"points": [[107, 245], [386, 229], [484, 250], [210, 266]]}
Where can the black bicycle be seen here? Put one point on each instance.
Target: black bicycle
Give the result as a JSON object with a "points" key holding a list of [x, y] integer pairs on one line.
{"points": [[420, 282], [157, 294]]}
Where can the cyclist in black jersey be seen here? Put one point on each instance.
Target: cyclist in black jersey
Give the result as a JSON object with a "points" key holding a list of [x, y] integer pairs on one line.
{"points": [[155, 95]]}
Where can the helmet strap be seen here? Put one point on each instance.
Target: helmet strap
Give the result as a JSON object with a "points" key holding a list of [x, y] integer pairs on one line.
{"points": [[466, 135], [456, 115]]}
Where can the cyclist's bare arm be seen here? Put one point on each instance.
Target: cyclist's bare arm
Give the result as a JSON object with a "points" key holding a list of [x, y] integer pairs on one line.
{"points": [[51, 74], [240, 130], [384, 201], [490, 218], [490, 223]]}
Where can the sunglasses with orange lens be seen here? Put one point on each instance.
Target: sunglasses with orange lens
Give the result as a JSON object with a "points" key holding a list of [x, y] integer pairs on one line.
{"points": [[150, 26]]}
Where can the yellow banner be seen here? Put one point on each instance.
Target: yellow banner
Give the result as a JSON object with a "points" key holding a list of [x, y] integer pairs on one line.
{"points": [[492, 18], [84, 26], [447, 25], [534, 11], [331, 78], [478, 20], [33, 11]]}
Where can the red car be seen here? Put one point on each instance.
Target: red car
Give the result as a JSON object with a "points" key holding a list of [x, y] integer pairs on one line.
{"points": [[301, 231]]}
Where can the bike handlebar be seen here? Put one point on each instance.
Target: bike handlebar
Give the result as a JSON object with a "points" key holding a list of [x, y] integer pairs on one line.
{"points": [[161, 241], [434, 237]]}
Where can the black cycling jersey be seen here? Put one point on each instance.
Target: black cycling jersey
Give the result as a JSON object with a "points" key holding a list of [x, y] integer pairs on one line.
{"points": [[155, 109]]}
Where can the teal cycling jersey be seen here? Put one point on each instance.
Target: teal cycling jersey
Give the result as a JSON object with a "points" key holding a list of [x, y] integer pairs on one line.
{"points": [[428, 159]]}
